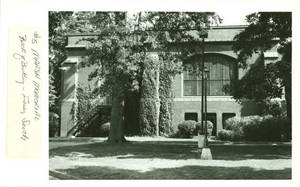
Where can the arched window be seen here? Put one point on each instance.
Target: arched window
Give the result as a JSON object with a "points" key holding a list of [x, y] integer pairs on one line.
{"points": [[222, 71]]}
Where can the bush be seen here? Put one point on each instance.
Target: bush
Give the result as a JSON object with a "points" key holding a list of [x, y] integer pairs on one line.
{"points": [[84, 103], [210, 127], [273, 107], [53, 124], [237, 124], [96, 129], [166, 96], [104, 129], [149, 105], [253, 128], [186, 129], [226, 135], [269, 129]]}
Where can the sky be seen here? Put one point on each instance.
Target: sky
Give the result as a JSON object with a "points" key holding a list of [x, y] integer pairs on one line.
{"points": [[233, 17]]}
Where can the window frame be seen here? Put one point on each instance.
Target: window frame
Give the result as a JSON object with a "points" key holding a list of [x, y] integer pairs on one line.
{"points": [[233, 69]]}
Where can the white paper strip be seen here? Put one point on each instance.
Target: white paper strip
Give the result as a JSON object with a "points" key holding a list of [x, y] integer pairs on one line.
{"points": [[24, 92]]}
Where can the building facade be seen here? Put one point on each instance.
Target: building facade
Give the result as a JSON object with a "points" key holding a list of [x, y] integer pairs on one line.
{"points": [[219, 58]]}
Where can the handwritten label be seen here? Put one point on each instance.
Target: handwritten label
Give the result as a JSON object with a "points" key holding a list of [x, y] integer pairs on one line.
{"points": [[24, 92]]}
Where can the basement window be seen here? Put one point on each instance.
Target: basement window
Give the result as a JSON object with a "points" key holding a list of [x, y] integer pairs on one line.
{"points": [[191, 116]]}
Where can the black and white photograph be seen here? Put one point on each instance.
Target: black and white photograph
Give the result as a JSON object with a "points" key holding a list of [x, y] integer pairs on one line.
{"points": [[170, 95]]}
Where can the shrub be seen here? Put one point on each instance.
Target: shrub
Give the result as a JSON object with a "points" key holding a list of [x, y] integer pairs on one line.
{"points": [[104, 129], [237, 124], [166, 96], [199, 130], [148, 116], [186, 129], [53, 124], [253, 128], [273, 107], [269, 129], [226, 134], [94, 127], [149, 105]]}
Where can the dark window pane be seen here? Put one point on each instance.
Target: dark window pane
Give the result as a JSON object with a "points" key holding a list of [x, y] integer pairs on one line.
{"points": [[191, 116], [226, 116]]}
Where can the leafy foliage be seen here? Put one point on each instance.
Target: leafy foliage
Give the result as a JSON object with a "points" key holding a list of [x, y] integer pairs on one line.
{"points": [[57, 54], [149, 101], [259, 83], [186, 129], [123, 40], [166, 102], [269, 129], [224, 135], [53, 124], [85, 101], [104, 129], [265, 29], [254, 128], [199, 129], [274, 107], [60, 24]]}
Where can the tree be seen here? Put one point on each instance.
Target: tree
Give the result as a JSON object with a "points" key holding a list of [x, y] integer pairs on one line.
{"points": [[57, 54], [266, 29], [60, 23], [121, 52]]}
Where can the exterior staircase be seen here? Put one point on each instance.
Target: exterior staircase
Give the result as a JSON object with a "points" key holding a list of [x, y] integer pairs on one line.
{"points": [[85, 121]]}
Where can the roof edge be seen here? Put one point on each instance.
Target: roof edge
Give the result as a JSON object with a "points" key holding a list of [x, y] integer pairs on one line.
{"points": [[212, 27]]}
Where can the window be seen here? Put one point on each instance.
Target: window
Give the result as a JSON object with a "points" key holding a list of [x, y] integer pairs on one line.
{"points": [[226, 116], [191, 116], [222, 71]]}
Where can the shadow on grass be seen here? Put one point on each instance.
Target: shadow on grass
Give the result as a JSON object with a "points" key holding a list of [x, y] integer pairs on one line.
{"points": [[186, 172], [174, 150]]}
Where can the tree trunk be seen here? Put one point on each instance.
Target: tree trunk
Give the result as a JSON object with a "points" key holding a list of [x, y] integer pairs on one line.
{"points": [[116, 132], [288, 110], [131, 113]]}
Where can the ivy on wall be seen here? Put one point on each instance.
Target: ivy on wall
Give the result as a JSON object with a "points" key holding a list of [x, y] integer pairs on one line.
{"points": [[83, 103]]}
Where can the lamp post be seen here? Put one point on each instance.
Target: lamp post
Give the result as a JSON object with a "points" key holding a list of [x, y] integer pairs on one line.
{"points": [[206, 71], [203, 35], [205, 152]]}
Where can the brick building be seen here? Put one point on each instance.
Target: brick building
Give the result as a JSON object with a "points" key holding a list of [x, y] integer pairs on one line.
{"points": [[220, 60]]}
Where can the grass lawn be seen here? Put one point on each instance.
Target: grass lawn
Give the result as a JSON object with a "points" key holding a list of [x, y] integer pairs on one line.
{"points": [[168, 159]]}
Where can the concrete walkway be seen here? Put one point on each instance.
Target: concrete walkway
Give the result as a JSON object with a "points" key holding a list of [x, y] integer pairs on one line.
{"points": [[212, 141]]}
